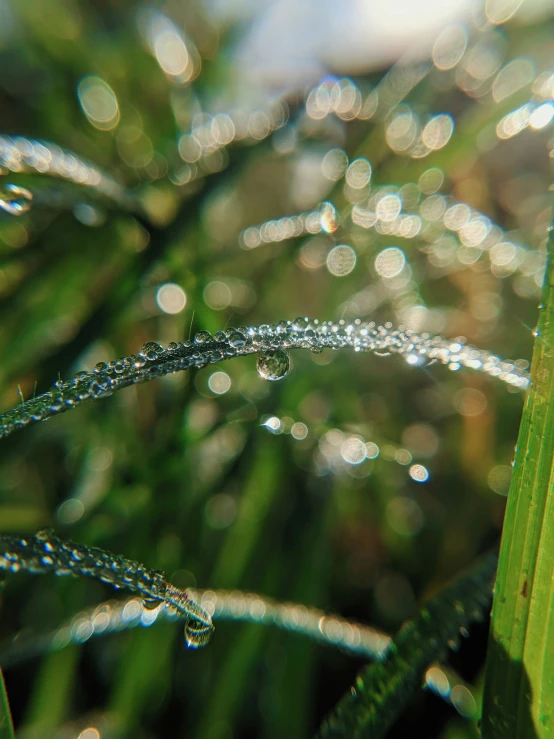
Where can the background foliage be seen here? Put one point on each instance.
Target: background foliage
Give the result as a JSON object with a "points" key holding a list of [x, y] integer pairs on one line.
{"points": [[259, 487]]}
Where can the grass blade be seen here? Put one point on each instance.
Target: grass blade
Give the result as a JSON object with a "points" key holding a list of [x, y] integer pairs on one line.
{"points": [[266, 341], [45, 553], [384, 688], [6, 725], [519, 688]]}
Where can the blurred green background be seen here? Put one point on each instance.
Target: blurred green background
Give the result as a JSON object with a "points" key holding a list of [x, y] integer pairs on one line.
{"points": [[228, 481]]}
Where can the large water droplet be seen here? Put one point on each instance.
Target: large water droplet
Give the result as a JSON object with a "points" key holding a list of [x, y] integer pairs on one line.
{"points": [[151, 350], [15, 200], [200, 337], [197, 633], [273, 365], [150, 603], [237, 340]]}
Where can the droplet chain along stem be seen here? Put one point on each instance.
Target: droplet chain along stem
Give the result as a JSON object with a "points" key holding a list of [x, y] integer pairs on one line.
{"points": [[154, 361], [45, 552], [21, 154]]}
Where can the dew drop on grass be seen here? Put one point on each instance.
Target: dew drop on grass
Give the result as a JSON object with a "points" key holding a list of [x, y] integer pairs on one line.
{"points": [[197, 633], [151, 350], [150, 603], [273, 365], [237, 339], [15, 200], [201, 337]]}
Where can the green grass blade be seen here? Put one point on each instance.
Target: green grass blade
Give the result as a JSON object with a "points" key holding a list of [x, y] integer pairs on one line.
{"points": [[154, 361], [6, 725], [384, 688], [45, 553], [519, 690]]}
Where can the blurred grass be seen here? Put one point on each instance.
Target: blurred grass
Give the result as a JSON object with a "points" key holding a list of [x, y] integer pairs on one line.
{"points": [[189, 482], [383, 689]]}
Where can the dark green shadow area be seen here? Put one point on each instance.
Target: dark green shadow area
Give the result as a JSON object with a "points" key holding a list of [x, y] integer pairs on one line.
{"points": [[382, 690], [507, 719]]}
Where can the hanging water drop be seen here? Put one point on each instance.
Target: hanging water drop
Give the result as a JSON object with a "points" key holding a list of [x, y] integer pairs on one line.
{"points": [[197, 633], [15, 200], [273, 365], [150, 603]]}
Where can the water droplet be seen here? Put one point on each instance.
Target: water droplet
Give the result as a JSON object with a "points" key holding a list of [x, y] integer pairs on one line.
{"points": [[100, 389], [197, 633], [151, 351], [172, 346], [200, 337], [150, 603], [316, 349], [273, 365], [15, 200], [44, 535], [237, 340], [454, 644]]}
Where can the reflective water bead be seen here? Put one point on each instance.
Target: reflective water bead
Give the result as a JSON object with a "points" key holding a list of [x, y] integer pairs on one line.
{"points": [[100, 389], [150, 603], [273, 365], [200, 337], [45, 535], [300, 323], [15, 200], [237, 340], [151, 350], [197, 633]]}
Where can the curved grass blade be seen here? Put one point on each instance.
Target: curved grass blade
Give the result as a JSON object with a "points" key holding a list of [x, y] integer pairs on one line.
{"points": [[20, 154], [226, 605], [384, 688], [45, 552], [271, 343]]}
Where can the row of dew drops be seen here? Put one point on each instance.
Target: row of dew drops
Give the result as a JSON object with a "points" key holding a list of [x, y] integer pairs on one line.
{"points": [[45, 552], [271, 344]]}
